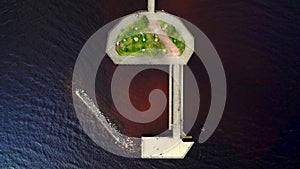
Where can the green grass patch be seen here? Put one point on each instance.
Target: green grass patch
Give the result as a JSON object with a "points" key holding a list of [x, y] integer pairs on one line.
{"points": [[134, 28], [133, 42], [146, 44]]}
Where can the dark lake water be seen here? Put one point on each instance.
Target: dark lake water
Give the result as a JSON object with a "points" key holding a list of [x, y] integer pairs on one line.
{"points": [[258, 43]]}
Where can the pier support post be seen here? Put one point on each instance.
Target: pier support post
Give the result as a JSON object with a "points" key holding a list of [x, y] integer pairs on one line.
{"points": [[151, 5]]}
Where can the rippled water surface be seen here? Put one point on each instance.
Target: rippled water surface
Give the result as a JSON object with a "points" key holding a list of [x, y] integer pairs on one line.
{"points": [[256, 40]]}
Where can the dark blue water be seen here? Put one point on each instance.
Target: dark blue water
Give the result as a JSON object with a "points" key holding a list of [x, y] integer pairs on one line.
{"points": [[258, 43]]}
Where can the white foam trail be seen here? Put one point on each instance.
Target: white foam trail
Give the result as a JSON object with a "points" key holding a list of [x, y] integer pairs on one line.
{"points": [[124, 141]]}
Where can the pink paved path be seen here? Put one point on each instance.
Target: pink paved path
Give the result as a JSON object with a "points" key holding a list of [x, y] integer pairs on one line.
{"points": [[169, 45]]}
